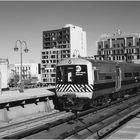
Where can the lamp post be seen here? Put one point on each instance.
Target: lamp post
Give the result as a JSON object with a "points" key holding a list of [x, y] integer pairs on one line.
{"points": [[21, 43], [76, 53]]}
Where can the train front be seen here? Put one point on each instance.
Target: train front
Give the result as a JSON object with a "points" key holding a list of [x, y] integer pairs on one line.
{"points": [[74, 83]]}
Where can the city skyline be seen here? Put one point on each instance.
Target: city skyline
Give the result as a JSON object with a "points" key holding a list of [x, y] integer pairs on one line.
{"points": [[26, 20]]}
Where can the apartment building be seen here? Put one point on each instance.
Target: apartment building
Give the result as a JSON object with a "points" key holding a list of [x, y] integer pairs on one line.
{"points": [[67, 42], [119, 47]]}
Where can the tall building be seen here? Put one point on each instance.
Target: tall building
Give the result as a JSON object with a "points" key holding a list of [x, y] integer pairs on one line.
{"points": [[67, 42], [119, 47]]}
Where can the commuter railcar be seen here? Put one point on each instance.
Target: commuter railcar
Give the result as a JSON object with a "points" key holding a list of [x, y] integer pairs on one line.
{"points": [[81, 83]]}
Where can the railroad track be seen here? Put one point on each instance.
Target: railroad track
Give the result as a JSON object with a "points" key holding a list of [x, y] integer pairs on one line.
{"points": [[34, 121], [105, 124], [95, 123]]}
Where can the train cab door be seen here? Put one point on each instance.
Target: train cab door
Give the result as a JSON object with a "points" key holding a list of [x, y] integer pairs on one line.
{"points": [[70, 74], [118, 79]]}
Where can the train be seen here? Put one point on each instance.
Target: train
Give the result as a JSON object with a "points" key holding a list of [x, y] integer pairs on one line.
{"points": [[83, 82]]}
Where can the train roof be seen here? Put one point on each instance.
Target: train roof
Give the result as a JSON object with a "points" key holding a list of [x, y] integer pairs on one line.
{"points": [[112, 62], [93, 61]]}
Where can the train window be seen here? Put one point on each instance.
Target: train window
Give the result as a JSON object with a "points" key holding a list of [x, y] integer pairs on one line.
{"points": [[135, 74], [70, 74], [96, 75], [76, 74], [59, 74], [105, 76], [129, 74]]}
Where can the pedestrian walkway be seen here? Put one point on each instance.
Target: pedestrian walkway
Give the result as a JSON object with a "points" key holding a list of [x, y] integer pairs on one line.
{"points": [[7, 96]]}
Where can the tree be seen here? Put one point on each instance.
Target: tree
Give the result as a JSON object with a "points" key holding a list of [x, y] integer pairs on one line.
{"points": [[14, 79]]}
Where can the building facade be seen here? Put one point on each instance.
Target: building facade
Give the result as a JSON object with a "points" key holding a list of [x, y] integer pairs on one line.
{"points": [[119, 47], [29, 70], [67, 42], [4, 73]]}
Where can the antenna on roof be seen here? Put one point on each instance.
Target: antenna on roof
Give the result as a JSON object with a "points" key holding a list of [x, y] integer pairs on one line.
{"points": [[119, 32]]}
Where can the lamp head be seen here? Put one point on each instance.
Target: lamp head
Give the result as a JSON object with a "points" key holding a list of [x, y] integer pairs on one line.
{"points": [[26, 50], [16, 48]]}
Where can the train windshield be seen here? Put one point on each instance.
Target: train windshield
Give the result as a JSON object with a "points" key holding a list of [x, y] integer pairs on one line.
{"points": [[75, 74]]}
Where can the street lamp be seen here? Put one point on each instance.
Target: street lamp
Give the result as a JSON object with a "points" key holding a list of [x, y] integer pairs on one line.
{"points": [[21, 43], [76, 53]]}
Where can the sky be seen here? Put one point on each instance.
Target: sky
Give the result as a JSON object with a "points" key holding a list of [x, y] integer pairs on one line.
{"points": [[26, 21]]}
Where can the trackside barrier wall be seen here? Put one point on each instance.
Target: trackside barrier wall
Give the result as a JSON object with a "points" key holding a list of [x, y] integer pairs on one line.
{"points": [[12, 109]]}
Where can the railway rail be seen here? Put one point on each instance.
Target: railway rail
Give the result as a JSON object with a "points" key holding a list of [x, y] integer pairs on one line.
{"points": [[30, 122], [96, 123], [104, 125]]}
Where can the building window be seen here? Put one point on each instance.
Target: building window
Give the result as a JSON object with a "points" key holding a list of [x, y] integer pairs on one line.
{"points": [[137, 50], [118, 45], [118, 51], [122, 44], [43, 61], [119, 57], [129, 44], [99, 46], [52, 56], [126, 50], [52, 75], [52, 66], [113, 57], [113, 52], [54, 61], [138, 43], [64, 46], [106, 46], [122, 51]]}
